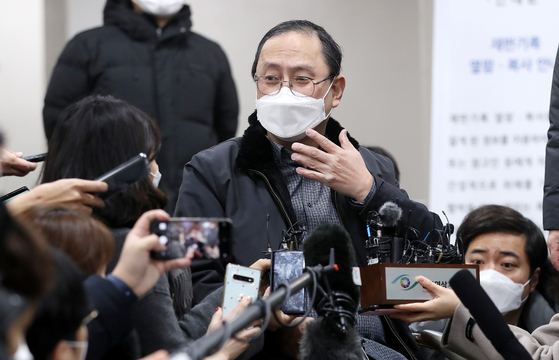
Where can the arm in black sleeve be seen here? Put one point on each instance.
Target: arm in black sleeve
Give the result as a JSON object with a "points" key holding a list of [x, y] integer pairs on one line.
{"points": [[113, 321], [226, 102], [551, 185], [69, 82], [388, 189]]}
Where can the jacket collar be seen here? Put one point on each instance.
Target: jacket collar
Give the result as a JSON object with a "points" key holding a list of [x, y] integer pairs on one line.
{"points": [[142, 27], [255, 152]]}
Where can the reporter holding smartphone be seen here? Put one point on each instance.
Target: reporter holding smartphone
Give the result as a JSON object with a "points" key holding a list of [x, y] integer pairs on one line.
{"points": [[92, 137]]}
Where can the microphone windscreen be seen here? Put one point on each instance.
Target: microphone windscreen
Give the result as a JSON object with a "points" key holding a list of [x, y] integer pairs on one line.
{"points": [[390, 214], [316, 250], [487, 316], [320, 343]]}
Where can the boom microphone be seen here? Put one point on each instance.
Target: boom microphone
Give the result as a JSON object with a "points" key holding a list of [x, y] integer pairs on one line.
{"points": [[390, 214], [332, 335], [487, 316]]}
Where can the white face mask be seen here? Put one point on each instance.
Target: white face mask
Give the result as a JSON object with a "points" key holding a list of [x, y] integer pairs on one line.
{"points": [[505, 293], [161, 8], [288, 116], [156, 178]]}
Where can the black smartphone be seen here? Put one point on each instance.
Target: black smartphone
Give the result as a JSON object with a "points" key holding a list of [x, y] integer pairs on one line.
{"points": [[208, 238], [125, 174], [286, 267], [35, 158], [12, 195]]}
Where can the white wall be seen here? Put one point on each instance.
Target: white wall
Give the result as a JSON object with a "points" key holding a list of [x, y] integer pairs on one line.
{"points": [[387, 47], [22, 80]]}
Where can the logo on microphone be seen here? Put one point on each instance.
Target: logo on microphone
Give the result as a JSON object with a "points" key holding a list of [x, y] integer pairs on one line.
{"points": [[405, 282]]}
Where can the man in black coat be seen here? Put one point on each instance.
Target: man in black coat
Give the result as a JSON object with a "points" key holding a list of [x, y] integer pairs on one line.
{"points": [[295, 165], [179, 78]]}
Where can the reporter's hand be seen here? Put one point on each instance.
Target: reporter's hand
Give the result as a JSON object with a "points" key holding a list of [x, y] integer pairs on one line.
{"points": [[291, 340], [553, 245], [262, 265], [73, 193], [13, 164], [135, 266], [442, 305], [273, 325], [233, 348]]}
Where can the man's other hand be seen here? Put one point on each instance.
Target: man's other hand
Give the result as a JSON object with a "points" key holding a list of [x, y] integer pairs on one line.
{"points": [[340, 168]]}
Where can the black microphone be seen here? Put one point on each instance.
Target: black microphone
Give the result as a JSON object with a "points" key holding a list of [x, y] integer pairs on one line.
{"points": [[487, 316], [390, 214], [332, 335]]}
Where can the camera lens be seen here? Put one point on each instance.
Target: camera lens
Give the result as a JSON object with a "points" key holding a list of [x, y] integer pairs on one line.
{"points": [[163, 239], [162, 226]]}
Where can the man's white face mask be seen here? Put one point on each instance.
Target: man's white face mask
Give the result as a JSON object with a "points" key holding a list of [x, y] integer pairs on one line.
{"points": [[288, 116], [505, 293], [162, 8]]}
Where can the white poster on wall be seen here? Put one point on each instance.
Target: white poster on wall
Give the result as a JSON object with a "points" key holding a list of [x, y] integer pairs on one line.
{"points": [[492, 70]]}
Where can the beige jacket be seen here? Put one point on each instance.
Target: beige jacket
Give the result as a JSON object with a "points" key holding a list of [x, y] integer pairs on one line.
{"points": [[542, 344]]}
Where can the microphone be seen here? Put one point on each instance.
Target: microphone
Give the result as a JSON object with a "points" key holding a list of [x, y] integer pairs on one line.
{"points": [[487, 316], [390, 214], [384, 246], [332, 335]]}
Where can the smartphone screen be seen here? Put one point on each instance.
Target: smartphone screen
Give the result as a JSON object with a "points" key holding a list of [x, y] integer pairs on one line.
{"points": [[208, 238], [286, 267]]}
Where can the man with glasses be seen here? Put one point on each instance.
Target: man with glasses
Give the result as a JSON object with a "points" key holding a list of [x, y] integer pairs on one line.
{"points": [[294, 169]]}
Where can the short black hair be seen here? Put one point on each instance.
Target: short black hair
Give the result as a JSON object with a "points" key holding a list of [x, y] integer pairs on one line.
{"points": [[330, 49], [61, 312], [489, 219], [95, 135]]}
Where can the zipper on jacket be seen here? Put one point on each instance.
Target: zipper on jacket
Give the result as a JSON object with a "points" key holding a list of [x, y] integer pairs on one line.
{"points": [[388, 321], [156, 109], [274, 195]]}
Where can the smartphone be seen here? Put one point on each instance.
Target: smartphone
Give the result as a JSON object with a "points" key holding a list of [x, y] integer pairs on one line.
{"points": [[12, 195], [208, 238], [35, 158], [240, 282], [286, 267], [125, 174]]}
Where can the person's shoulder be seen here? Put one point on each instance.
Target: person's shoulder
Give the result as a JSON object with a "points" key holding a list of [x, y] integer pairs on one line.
{"points": [[96, 33], [204, 42], [379, 165], [221, 153]]}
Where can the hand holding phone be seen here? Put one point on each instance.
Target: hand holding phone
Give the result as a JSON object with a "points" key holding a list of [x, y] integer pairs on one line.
{"points": [[125, 174], [240, 282]]}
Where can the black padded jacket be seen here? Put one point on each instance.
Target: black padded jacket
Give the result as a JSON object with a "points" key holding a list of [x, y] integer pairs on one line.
{"points": [[238, 179], [179, 78]]}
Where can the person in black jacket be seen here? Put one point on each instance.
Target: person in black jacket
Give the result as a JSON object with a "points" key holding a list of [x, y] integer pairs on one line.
{"points": [[296, 170], [179, 78], [551, 185]]}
